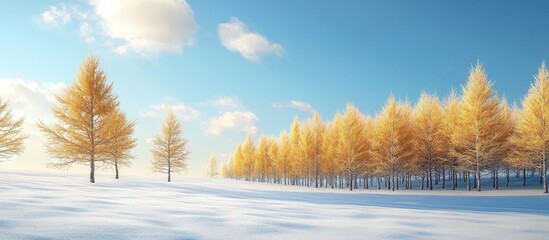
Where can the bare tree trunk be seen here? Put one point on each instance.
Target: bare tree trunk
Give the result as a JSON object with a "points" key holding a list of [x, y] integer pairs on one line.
{"points": [[524, 177], [544, 172], [507, 178], [430, 176], [92, 169], [116, 169], [468, 181], [443, 177]]}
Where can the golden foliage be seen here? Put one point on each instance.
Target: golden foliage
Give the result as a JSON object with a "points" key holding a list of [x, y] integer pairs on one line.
{"points": [[11, 133], [82, 133], [170, 151]]}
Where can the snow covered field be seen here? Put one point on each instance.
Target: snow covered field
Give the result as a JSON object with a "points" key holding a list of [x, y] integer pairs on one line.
{"points": [[65, 206]]}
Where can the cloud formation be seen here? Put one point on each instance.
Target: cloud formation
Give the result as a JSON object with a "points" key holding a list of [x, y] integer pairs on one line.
{"points": [[147, 26], [241, 121], [56, 16], [144, 27], [235, 36], [181, 110], [29, 98], [297, 105]]}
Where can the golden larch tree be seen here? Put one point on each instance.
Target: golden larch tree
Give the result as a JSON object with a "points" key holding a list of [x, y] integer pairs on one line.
{"points": [[283, 157], [295, 152], [452, 116], [430, 136], [533, 125], [170, 151], [480, 134], [238, 162], [11, 133], [119, 154], [315, 144], [393, 138], [248, 155], [261, 158], [272, 157], [353, 142], [84, 111]]}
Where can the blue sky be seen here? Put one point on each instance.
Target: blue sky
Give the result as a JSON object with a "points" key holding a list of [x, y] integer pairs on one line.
{"points": [[318, 54]]}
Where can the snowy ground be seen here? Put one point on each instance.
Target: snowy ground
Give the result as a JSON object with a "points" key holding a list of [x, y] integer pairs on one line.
{"points": [[65, 206]]}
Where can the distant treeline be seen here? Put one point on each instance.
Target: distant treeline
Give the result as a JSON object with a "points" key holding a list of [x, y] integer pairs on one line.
{"points": [[466, 136]]}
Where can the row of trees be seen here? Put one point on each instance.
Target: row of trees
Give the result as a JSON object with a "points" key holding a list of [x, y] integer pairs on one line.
{"points": [[462, 137], [91, 129]]}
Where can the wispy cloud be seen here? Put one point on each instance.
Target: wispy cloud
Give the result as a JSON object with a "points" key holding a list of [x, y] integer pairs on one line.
{"points": [[56, 16], [297, 105], [180, 109], [225, 102], [240, 121], [236, 37]]}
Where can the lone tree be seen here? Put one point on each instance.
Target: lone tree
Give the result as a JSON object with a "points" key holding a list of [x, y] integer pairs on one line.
{"points": [[170, 152], [119, 154], [11, 136], [82, 133], [212, 167]]}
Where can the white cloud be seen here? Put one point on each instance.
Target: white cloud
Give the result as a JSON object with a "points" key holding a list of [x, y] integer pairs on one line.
{"points": [[226, 102], [56, 16], [147, 26], [86, 32], [180, 109], [33, 101], [234, 35], [29, 98], [297, 105], [242, 121]]}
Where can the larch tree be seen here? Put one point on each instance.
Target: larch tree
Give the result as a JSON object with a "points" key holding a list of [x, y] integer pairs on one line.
{"points": [[430, 136], [317, 130], [81, 134], [329, 164], [11, 132], [452, 116], [480, 134], [261, 158], [238, 162], [283, 157], [170, 152], [393, 138], [295, 145], [272, 157], [248, 155], [119, 154], [212, 166], [533, 125], [353, 142]]}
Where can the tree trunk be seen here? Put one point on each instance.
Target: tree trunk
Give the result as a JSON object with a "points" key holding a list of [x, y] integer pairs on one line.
{"points": [[507, 178], [92, 169], [116, 169], [350, 181], [524, 177], [430, 177], [478, 178], [468, 181], [544, 172], [443, 178]]}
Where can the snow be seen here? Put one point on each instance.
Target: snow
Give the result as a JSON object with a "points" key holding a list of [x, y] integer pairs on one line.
{"points": [[65, 206]]}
